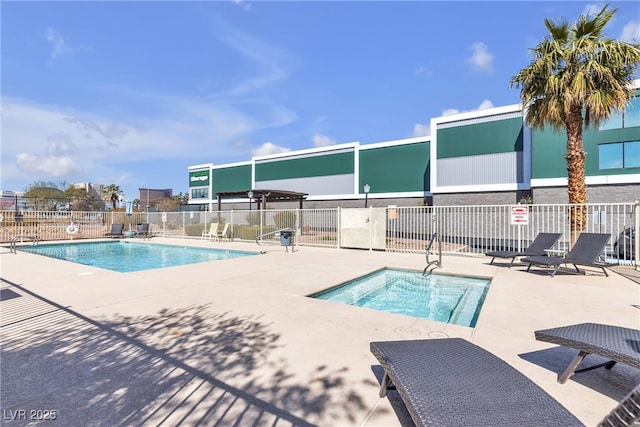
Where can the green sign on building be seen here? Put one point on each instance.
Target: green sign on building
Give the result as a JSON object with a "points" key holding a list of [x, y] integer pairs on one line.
{"points": [[199, 178]]}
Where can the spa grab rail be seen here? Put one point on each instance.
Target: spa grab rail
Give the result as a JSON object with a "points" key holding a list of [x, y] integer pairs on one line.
{"points": [[437, 263]]}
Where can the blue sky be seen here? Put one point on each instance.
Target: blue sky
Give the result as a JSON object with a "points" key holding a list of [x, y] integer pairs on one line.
{"points": [[132, 93]]}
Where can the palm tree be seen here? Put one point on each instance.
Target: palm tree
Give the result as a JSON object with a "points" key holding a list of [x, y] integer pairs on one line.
{"points": [[111, 193], [577, 77]]}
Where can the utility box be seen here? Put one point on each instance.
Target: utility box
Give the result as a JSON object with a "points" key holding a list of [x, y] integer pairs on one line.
{"points": [[363, 228]]}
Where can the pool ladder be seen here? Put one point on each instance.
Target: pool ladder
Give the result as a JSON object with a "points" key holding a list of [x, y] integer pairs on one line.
{"points": [[437, 263], [12, 247]]}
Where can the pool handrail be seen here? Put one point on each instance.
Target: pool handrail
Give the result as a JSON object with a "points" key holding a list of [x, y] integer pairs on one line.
{"points": [[437, 263], [260, 242], [12, 246]]}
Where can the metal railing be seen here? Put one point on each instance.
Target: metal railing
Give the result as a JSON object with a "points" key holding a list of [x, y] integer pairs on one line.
{"points": [[12, 246], [278, 237], [436, 263], [47, 225], [468, 230]]}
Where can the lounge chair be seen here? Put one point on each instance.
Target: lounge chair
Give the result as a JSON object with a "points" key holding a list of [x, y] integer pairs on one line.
{"points": [[613, 342], [450, 381], [117, 230], [537, 247], [585, 252], [627, 413], [221, 233], [143, 231], [211, 233]]}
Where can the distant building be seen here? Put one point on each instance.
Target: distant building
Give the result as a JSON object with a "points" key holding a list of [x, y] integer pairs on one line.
{"points": [[8, 200], [150, 195], [94, 191]]}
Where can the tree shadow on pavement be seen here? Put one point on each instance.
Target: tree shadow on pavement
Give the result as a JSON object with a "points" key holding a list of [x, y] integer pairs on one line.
{"points": [[188, 366]]}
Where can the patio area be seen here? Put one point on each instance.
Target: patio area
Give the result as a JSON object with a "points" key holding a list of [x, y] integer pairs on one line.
{"points": [[237, 342]]}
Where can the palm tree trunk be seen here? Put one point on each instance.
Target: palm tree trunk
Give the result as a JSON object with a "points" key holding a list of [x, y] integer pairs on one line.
{"points": [[576, 186]]}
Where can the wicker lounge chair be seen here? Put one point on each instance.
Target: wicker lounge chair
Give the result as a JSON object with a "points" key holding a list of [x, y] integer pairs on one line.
{"points": [[450, 381], [585, 252], [613, 342], [627, 413], [540, 243], [117, 230]]}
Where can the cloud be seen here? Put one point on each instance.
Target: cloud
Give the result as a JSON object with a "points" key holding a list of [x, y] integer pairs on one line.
{"points": [[631, 32], [268, 148], [484, 105], [592, 9], [450, 111], [85, 146], [244, 5], [270, 62], [422, 71], [141, 125], [481, 59], [50, 166], [60, 145], [58, 46], [90, 128], [421, 130], [322, 140]]}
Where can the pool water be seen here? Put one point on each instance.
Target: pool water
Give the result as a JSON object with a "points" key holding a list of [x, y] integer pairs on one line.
{"points": [[124, 257], [443, 298]]}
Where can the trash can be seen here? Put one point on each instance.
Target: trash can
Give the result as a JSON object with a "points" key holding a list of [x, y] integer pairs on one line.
{"points": [[285, 238]]}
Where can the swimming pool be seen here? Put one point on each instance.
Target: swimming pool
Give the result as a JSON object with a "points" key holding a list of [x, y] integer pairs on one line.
{"points": [[443, 298], [125, 257]]}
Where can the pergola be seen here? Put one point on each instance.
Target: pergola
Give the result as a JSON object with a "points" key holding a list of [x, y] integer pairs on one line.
{"points": [[263, 196]]}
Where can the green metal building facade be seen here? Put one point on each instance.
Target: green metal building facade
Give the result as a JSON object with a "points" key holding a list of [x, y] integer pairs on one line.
{"points": [[480, 157]]}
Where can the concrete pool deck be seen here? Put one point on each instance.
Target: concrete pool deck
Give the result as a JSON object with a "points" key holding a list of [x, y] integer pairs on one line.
{"points": [[237, 342]]}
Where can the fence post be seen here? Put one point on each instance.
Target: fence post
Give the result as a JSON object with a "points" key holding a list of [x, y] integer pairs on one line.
{"points": [[339, 227], [636, 215], [370, 220]]}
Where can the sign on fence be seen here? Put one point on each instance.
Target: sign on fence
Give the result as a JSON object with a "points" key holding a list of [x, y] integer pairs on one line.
{"points": [[520, 215]]}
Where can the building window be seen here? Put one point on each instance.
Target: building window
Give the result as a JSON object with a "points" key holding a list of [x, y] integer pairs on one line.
{"points": [[619, 155], [632, 116], [632, 154], [199, 193], [628, 118]]}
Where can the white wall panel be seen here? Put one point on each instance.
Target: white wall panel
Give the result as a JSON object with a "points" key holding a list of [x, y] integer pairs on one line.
{"points": [[488, 169]]}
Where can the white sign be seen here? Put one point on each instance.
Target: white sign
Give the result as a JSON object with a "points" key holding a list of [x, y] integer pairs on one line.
{"points": [[520, 215], [164, 217]]}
